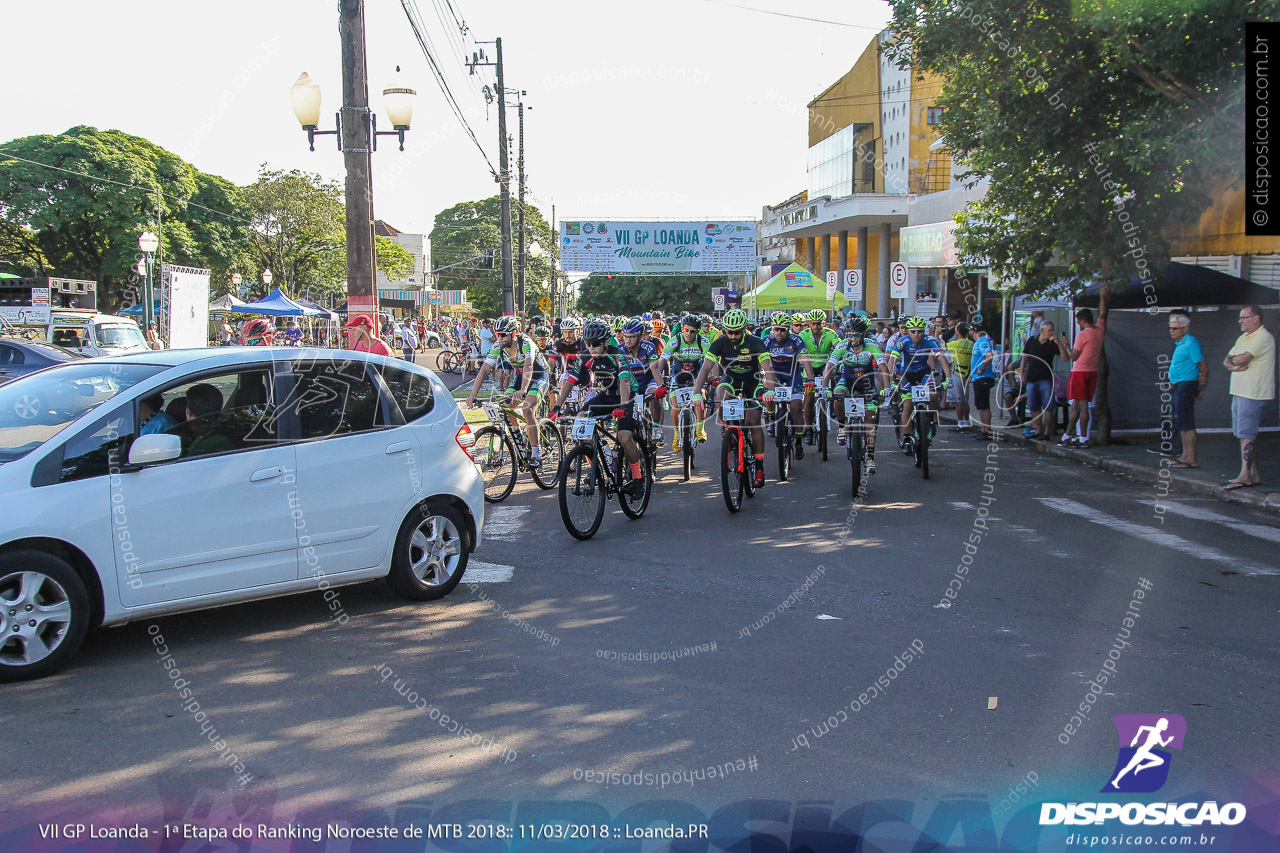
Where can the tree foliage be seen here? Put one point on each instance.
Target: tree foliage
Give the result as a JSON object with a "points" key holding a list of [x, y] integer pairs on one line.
{"points": [[1101, 124], [85, 214], [473, 228], [394, 260], [623, 294], [299, 229]]}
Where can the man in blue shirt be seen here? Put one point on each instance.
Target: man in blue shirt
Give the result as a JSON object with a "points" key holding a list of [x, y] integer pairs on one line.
{"points": [[1188, 378], [982, 374]]}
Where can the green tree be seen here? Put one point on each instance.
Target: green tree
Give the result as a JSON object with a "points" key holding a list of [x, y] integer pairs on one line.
{"points": [[623, 294], [20, 252], [473, 228], [298, 230], [394, 260], [1098, 122], [103, 190]]}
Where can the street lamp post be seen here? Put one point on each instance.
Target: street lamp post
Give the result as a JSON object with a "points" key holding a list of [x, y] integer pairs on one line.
{"points": [[266, 283], [148, 243], [534, 252], [357, 135]]}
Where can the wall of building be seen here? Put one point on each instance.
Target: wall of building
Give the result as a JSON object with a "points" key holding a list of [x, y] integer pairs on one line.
{"points": [[852, 100], [895, 119]]}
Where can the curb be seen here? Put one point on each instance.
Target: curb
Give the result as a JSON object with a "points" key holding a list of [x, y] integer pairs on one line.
{"points": [[1141, 473]]}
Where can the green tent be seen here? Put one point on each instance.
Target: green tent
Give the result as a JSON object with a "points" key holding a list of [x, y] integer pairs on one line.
{"points": [[9, 275], [792, 289]]}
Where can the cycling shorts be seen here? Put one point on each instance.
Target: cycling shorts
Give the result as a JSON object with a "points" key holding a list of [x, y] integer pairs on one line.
{"points": [[744, 385], [864, 383], [604, 404], [537, 387]]}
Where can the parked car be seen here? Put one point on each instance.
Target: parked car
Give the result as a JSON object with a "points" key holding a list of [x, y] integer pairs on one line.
{"points": [[19, 356], [187, 479], [94, 334]]}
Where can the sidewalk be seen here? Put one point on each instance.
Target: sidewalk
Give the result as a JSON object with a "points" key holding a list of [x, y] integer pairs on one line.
{"points": [[1219, 462]]}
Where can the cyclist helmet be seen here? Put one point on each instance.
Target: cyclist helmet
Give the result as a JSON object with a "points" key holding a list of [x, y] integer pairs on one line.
{"points": [[817, 315], [782, 318], [569, 324], [618, 323], [257, 333], [856, 326], [691, 321], [735, 319], [542, 332], [646, 316], [634, 326], [506, 326], [916, 323], [659, 325], [596, 332]]}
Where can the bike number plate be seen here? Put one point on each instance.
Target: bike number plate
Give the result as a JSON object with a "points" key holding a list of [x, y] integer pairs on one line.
{"points": [[782, 394], [583, 428], [732, 410], [855, 407], [493, 413], [683, 396], [575, 396], [920, 393]]}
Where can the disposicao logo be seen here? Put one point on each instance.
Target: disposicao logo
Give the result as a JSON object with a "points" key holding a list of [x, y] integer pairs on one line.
{"points": [[1142, 767]]}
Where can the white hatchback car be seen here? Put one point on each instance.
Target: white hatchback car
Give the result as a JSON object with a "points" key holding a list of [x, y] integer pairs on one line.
{"points": [[185, 479]]}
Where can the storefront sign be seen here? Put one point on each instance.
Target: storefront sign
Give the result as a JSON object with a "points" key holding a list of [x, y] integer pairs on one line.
{"points": [[931, 245]]}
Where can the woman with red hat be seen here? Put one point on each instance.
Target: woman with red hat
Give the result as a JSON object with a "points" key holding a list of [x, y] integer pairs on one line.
{"points": [[360, 336]]}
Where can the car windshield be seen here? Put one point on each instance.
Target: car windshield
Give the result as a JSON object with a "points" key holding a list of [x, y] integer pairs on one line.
{"points": [[35, 408], [120, 336], [53, 352]]}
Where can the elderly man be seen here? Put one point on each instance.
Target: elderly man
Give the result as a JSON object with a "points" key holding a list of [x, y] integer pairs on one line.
{"points": [[1188, 378], [1252, 363]]}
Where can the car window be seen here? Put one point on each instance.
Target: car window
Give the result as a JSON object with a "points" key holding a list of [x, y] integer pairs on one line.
{"points": [[66, 338], [99, 448], [10, 355], [335, 396], [119, 336], [222, 412], [411, 391], [37, 407]]}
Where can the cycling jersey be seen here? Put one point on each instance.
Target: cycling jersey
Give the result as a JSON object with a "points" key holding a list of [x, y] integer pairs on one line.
{"points": [[685, 358], [742, 358], [639, 364], [564, 352], [785, 356], [819, 349], [606, 371], [856, 369], [500, 357], [913, 358]]}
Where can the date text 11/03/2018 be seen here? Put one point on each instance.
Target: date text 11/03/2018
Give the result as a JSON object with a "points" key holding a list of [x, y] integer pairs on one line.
{"points": [[567, 831]]}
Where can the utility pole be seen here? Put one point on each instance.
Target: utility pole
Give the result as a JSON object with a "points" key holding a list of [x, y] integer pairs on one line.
{"points": [[524, 260], [504, 177], [356, 148]]}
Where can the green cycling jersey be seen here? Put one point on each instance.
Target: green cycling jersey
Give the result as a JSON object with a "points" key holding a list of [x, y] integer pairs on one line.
{"points": [[819, 350]]}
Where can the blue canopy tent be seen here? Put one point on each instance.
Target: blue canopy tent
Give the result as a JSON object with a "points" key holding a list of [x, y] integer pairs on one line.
{"points": [[135, 310], [277, 305]]}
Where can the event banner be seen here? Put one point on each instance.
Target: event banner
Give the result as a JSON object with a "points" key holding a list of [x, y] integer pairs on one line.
{"points": [[657, 248], [188, 307]]}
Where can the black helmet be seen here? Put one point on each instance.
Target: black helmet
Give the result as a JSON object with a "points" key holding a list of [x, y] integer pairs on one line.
{"points": [[857, 326], [596, 332]]}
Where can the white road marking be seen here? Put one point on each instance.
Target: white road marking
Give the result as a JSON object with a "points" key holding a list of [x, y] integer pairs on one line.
{"points": [[1262, 531], [1156, 537], [825, 616], [959, 504], [504, 522], [481, 572]]}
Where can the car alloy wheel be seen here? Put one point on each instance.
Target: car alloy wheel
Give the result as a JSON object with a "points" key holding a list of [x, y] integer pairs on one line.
{"points": [[35, 614], [435, 549]]}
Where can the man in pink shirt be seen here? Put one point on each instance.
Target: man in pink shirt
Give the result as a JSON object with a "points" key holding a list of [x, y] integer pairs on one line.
{"points": [[360, 336], [1083, 379]]}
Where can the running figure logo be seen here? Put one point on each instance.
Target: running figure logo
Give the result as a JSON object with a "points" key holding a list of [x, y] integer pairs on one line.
{"points": [[1143, 765]]}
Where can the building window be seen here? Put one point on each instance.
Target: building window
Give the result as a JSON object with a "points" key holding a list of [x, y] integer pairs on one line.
{"points": [[935, 115]]}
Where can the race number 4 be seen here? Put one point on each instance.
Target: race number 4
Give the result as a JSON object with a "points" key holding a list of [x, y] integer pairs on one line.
{"points": [[583, 428]]}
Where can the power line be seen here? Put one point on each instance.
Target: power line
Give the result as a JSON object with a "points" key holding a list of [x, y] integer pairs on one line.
{"points": [[797, 17], [415, 22]]}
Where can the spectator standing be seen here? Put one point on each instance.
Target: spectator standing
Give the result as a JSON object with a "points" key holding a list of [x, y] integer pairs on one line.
{"points": [[153, 337], [1188, 378], [1083, 379], [361, 337], [408, 341], [226, 332], [486, 337], [960, 348], [1252, 362], [1036, 374], [983, 373]]}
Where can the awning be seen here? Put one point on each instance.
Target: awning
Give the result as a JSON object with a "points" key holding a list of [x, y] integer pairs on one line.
{"points": [[276, 305], [1183, 285]]}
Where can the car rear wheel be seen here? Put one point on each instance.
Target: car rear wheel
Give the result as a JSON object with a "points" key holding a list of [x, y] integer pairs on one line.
{"points": [[431, 553], [44, 614]]}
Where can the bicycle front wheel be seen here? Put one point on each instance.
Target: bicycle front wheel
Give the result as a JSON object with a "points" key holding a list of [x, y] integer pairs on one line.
{"points": [[582, 493], [634, 507], [731, 474], [687, 439], [922, 443], [783, 440], [546, 474], [496, 459], [857, 443]]}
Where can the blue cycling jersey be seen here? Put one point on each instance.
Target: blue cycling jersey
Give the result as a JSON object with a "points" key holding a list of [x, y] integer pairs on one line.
{"points": [[914, 357], [785, 355], [639, 364]]}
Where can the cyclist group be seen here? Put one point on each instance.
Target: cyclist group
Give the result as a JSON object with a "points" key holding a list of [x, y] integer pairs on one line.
{"points": [[626, 368]]}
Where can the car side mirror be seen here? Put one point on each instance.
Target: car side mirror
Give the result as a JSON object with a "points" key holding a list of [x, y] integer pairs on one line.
{"points": [[153, 448]]}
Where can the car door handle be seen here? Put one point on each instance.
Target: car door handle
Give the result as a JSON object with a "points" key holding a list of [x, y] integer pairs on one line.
{"points": [[398, 447], [265, 474]]}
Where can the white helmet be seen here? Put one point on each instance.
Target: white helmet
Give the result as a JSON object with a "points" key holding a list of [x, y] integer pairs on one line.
{"points": [[570, 324], [506, 325]]}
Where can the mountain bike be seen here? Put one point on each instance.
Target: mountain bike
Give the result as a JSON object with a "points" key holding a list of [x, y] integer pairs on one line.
{"points": [[737, 455], [856, 407], [593, 473], [686, 424], [501, 451], [782, 426], [923, 421], [449, 361]]}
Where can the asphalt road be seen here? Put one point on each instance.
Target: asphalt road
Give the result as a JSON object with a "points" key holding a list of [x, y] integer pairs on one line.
{"points": [[693, 639]]}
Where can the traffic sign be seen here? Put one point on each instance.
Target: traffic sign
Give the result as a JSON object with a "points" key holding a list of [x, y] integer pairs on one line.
{"points": [[852, 286], [898, 280], [544, 305], [833, 281], [718, 299]]}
